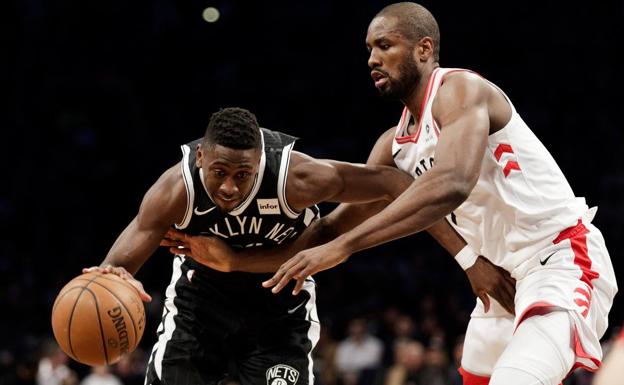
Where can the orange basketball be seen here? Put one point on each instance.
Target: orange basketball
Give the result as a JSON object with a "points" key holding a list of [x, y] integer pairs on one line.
{"points": [[97, 318]]}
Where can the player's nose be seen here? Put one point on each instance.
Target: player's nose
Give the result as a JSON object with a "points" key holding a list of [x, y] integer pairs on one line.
{"points": [[373, 60], [228, 187]]}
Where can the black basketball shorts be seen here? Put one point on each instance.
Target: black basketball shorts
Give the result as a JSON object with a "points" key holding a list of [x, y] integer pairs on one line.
{"points": [[226, 324]]}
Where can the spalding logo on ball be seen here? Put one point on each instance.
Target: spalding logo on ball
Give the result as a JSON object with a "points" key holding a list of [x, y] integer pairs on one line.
{"points": [[97, 318]]}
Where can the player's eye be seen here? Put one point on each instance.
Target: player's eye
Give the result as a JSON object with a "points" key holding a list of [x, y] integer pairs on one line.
{"points": [[243, 175], [218, 173]]}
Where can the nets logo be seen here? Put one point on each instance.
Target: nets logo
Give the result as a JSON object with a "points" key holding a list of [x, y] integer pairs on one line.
{"points": [[268, 206], [282, 375]]}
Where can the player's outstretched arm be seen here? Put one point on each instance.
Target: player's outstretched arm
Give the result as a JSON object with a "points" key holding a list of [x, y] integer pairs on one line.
{"points": [[163, 205], [463, 115], [311, 181]]}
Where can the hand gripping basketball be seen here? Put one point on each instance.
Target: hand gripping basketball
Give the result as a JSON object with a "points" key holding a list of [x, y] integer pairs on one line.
{"points": [[122, 273], [98, 317]]}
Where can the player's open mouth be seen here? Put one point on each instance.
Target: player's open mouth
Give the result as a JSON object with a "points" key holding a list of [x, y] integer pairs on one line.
{"points": [[228, 200], [379, 78]]}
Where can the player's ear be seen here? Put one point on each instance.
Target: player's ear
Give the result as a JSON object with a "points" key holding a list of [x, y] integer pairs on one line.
{"points": [[424, 49], [198, 155]]}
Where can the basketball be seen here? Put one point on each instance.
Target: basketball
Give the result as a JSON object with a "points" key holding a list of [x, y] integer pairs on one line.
{"points": [[97, 318]]}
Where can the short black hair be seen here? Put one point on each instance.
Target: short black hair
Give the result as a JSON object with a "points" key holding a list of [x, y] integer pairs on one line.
{"points": [[415, 22], [235, 128]]}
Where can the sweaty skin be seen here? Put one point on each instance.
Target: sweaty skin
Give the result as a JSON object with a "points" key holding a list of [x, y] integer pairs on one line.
{"points": [[485, 278], [310, 181], [467, 108]]}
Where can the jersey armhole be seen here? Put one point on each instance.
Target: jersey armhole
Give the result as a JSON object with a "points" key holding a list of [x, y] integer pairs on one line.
{"points": [[187, 177], [281, 182]]}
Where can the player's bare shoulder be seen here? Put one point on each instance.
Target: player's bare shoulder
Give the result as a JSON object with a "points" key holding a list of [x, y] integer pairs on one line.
{"points": [[166, 200], [308, 178], [464, 90], [460, 89]]}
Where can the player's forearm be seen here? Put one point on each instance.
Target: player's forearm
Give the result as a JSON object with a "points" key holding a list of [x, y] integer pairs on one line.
{"points": [[370, 183], [446, 236], [268, 260], [133, 247], [420, 206], [344, 218]]}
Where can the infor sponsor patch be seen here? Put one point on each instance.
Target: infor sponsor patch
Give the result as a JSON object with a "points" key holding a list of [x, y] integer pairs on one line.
{"points": [[268, 206]]}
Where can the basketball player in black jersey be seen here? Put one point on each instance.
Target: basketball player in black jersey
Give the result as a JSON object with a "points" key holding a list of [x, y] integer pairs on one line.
{"points": [[246, 186]]}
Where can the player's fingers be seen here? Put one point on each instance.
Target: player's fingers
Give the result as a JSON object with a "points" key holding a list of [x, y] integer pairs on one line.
{"points": [[121, 272], [509, 294], [306, 272], [142, 293], [90, 269], [512, 283], [288, 275], [170, 242], [279, 274], [175, 235], [298, 286], [486, 301], [504, 300], [180, 251], [273, 280]]}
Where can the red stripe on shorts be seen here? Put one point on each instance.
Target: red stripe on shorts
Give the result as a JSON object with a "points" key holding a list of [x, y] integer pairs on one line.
{"points": [[473, 379], [537, 308], [578, 241], [581, 353]]}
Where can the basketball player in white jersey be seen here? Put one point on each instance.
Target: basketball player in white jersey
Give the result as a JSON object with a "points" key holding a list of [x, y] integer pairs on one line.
{"points": [[477, 163]]}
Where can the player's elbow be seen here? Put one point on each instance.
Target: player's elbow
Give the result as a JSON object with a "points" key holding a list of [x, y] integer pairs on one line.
{"points": [[459, 194], [458, 190]]}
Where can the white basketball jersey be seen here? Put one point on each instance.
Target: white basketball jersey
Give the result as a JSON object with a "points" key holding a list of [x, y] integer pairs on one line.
{"points": [[521, 201]]}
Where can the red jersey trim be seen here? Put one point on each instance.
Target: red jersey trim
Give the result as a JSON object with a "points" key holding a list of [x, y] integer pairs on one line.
{"points": [[414, 138]]}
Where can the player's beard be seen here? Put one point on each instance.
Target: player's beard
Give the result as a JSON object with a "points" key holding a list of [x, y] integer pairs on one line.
{"points": [[402, 87]]}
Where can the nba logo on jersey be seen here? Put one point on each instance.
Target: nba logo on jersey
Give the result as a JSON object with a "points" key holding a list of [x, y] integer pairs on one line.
{"points": [[268, 206], [282, 375]]}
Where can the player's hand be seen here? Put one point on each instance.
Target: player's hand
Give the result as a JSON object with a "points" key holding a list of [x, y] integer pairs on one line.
{"points": [[123, 273], [209, 251], [306, 263], [489, 279]]}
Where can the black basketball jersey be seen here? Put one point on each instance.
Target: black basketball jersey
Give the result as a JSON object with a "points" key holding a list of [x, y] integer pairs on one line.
{"points": [[264, 217]]}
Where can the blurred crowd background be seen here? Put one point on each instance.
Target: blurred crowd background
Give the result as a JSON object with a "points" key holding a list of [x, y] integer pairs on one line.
{"points": [[102, 93]]}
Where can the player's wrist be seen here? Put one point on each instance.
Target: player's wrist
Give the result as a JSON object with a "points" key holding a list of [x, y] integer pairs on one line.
{"points": [[345, 244], [466, 257]]}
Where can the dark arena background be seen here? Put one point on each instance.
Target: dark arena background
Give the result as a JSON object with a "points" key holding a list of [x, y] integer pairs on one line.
{"points": [[101, 94]]}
